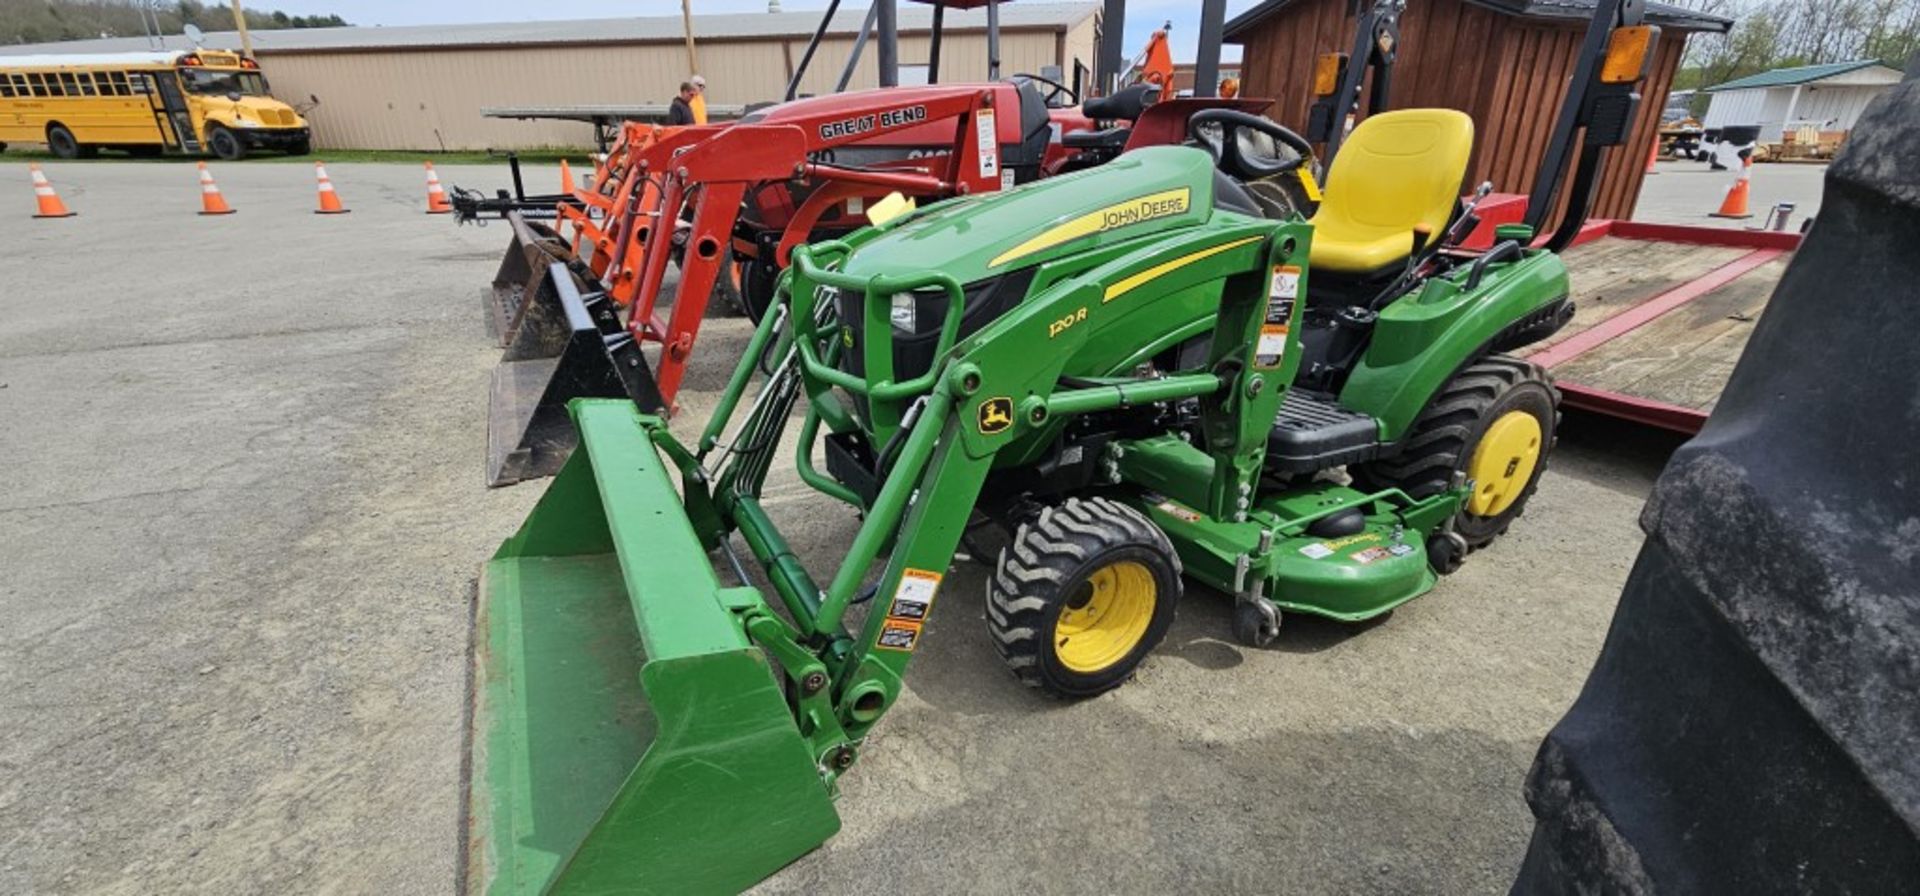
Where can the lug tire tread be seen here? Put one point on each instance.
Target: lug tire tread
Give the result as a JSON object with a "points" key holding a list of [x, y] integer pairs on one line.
{"points": [[1045, 553], [1441, 437]]}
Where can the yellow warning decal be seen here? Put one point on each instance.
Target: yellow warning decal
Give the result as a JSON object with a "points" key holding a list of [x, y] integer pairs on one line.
{"points": [[897, 635], [1164, 204], [1130, 283], [913, 597]]}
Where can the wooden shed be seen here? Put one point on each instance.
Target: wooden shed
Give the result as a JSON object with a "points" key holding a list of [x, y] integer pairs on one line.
{"points": [[1504, 62]]}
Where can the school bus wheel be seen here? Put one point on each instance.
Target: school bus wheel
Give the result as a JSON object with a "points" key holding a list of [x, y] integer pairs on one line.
{"points": [[225, 144], [62, 144]]}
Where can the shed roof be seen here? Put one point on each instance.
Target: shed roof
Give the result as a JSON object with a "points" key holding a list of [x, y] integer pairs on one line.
{"points": [[1663, 14], [629, 29], [1799, 74]]}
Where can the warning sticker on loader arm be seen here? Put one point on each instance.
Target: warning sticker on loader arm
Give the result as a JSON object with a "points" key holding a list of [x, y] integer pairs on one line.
{"points": [[912, 601], [1283, 288], [987, 136]]}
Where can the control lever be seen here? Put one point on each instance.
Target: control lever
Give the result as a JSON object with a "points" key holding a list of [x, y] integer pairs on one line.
{"points": [[1464, 224], [1421, 254]]}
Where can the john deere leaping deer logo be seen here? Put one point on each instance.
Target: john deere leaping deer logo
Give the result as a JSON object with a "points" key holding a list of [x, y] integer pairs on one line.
{"points": [[996, 415]]}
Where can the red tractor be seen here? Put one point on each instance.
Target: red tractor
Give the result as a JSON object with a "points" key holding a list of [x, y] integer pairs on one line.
{"points": [[726, 203]]}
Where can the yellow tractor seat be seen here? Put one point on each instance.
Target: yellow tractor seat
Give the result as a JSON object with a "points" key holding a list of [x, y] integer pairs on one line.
{"points": [[1396, 172]]}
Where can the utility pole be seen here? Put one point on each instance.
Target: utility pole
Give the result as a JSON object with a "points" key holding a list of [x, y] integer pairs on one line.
{"points": [[240, 25], [686, 21]]}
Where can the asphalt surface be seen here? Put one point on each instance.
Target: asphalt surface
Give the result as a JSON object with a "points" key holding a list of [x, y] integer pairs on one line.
{"points": [[1688, 192], [244, 514]]}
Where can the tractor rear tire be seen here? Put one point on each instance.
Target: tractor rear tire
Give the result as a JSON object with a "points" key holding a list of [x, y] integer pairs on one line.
{"points": [[1494, 397], [1082, 594]]}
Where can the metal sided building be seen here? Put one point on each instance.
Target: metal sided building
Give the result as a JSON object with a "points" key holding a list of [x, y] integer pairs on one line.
{"points": [[1504, 62], [422, 87], [1825, 98]]}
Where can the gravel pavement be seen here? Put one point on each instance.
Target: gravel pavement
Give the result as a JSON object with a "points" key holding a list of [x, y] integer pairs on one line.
{"points": [[244, 514]]}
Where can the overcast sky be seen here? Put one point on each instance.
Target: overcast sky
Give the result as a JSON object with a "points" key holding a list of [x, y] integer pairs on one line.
{"points": [[1142, 15]]}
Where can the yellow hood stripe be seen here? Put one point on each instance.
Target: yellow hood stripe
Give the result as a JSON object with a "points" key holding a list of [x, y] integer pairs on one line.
{"points": [[1165, 203], [1128, 284]]}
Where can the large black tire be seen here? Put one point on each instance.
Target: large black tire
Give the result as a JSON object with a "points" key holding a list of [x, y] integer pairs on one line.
{"points": [[1445, 437], [62, 144], [3, 147], [224, 144], [757, 281], [1105, 569]]}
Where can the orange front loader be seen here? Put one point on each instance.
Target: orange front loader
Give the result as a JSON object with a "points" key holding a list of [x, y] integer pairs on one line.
{"points": [[700, 196]]}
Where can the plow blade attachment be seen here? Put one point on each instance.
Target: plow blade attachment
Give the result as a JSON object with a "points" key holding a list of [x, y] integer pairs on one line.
{"points": [[571, 347], [627, 737], [525, 276]]}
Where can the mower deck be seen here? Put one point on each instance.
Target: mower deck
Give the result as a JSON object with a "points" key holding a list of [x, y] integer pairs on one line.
{"points": [[1662, 314]]}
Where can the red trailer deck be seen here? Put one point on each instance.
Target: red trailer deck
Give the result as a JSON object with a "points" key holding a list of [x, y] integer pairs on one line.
{"points": [[1662, 314]]}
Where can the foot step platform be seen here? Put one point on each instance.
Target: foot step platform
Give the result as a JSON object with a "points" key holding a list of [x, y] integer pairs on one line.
{"points": [[1312, 434]]}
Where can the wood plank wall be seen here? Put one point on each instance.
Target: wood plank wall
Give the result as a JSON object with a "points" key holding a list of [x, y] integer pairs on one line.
{"points": [[1509, 73]]}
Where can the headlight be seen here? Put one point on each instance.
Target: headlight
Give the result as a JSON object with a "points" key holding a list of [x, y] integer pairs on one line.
{"points": [[245, 123], [905, 311]]}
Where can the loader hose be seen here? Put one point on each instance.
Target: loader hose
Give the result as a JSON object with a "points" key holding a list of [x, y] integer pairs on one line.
{"points": [[890, 452]]}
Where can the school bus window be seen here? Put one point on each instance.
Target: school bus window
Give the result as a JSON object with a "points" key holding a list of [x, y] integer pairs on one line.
{"points": [[212, 83], [86, 85], [117, 84], [69, 85], [140, 83], [6, 88]]}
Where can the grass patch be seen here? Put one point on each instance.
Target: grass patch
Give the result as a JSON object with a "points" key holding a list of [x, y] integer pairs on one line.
{"points": [[549, 156]]}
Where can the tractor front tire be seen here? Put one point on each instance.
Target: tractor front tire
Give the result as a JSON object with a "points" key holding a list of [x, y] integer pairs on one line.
{"points": [[1494, 422], [1083, 593]]}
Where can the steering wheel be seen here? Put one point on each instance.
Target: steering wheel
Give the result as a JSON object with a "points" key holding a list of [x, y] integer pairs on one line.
{"points": [[1051, 97], [1231, 154]]}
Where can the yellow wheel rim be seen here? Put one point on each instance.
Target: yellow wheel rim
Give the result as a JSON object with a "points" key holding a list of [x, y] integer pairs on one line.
{"points": [[1105, 617], [1503, 463]]}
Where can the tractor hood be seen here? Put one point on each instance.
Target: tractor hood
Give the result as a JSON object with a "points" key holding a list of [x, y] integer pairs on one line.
{"points": [[1145, 191]]}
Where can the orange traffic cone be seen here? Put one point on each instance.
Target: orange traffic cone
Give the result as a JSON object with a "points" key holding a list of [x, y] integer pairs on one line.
{"points": [[50, 204], [211, 202], [437, 203], [1735, 205], [329, 200], [566, 179], [1653, 155]]}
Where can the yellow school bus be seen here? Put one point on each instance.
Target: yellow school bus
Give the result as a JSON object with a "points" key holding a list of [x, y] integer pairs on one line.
{"points": [[197, 102]]}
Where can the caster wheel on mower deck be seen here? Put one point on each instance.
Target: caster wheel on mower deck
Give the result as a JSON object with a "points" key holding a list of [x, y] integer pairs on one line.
{"points": [[1082, 594], [1494, 423], [1256, 622]]}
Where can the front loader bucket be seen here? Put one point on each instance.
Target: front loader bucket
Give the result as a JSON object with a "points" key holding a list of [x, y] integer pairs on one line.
{"points": [[573, 346], [523, 276], [627, 737]]}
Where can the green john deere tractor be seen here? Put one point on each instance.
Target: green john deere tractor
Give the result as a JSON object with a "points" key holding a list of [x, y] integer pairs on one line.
{"points": [[1148, 380]]}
